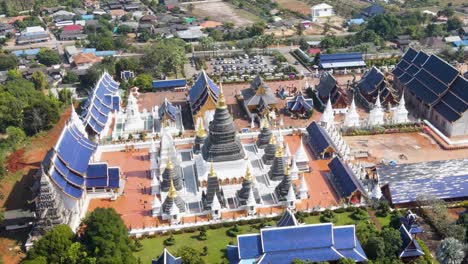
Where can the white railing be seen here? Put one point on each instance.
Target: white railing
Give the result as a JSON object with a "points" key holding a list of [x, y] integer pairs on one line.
{"points": [[443, 137]]}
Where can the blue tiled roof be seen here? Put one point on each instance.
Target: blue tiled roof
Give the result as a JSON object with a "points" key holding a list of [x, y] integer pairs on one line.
{"points": [[410, 54], [371, 81], [317, 243], [460, 88], [165, 84], [287, 219], [250, 246], [341, 60], [440, 69], [201, 90], [104, 99], [167, 258], [420, 58], [430, 82], [300, 103], [318, 138], [410, 247], [96, 170], [101, 182], [114, 178], [421, 91], [344, 178], [296, 238], [26, 52]]}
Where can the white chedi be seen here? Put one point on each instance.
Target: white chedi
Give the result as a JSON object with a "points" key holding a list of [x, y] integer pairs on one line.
{"points": [[291, 197], [156, 206], [133, 119], [352, 116], [400, 114], [294, 170], [376, 115], [327, 117], [376, 192], [303, 189]]}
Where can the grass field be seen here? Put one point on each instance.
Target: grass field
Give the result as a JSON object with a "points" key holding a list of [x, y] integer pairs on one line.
{"points": [[295, 5], [217, 240], [384, 221]]}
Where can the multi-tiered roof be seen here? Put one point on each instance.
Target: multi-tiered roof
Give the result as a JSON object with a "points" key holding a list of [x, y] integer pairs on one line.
{"points": [[203, 90], [103, 100], [373, 84]]}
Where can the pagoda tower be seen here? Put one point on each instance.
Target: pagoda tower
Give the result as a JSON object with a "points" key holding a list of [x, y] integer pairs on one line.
{"points": [[270, 151], [169, 175], [283, 188], [251, 203], [264, 136], [156, 206], [200, 137], [173, 205], [400, 114], [291, 198], [327, 118], [212, 189], [352, 116], [376, 115], [277, 168], [222, 143], [247, 185], [216, 208]]}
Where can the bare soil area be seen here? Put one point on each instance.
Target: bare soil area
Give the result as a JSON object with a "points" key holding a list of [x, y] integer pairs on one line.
{"points": [[224, 12]]}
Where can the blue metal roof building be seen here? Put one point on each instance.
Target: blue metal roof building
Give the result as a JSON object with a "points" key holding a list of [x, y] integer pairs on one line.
{"points": [[410, 247], [443, 179], [436, 91], [320, 141], [341, 60], [169, 84], [167, 258], [300, 104], [316, 243], [26, 52], [345, 181]]}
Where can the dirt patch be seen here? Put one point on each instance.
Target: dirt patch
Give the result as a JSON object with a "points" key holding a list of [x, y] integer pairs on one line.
{"points": [[224, 12], [22, 165], [295, 5], [402, 147]]}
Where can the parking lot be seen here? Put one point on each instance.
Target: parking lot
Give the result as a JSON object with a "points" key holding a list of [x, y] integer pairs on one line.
{"points": [[245, 67]]}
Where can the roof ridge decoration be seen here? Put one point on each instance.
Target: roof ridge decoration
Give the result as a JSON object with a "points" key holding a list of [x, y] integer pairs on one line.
{"points": [[201, 133], [248, 175]]}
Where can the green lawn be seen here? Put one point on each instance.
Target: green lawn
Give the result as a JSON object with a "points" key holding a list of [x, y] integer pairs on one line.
{"points": [[384, 221], [217, 240]]}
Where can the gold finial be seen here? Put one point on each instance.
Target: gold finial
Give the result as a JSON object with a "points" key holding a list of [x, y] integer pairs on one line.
{"points": [[172, 191], [169, 164], [279, 151], [286, 170], [221, 101], [212, 171], [201, 130], [248, 175], [266, 124], [272, 140]]}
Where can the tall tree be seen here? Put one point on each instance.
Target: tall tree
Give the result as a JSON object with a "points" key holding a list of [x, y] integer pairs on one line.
{"points": [[40, 80], [450, 251], [392, 240], [40, 115], [8, 62], [106, 237], [190, 255], [166, 56], [53, 245]]}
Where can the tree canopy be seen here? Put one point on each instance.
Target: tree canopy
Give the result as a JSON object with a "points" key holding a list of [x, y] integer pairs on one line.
{"points": [[8, 62], [48, 57], [450, 251], [106, 237], [165, 57], [190, 255]]}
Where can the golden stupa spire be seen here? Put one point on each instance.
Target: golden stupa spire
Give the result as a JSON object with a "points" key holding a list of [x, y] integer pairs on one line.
{"points": [[212, 171], [279, 151], [265, 124], [272, 140], [172, 191], [169, 164], [201, 130], [221, 100], [286, 170], [248, 175]]}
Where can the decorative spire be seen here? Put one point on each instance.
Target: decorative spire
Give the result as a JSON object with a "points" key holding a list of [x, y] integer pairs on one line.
{"points": [[201, 130], [221, 101], [287, 170], [327, 115], [303, 189], [291, 196], [212, 171], [352, 116], [251, 200], [279, 151], [272, 140], [169, 165], [172, 191], [248, 175]]}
